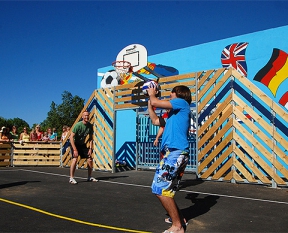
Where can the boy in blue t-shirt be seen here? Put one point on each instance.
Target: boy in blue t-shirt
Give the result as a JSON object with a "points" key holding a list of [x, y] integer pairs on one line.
{"points": [[175, 147]]}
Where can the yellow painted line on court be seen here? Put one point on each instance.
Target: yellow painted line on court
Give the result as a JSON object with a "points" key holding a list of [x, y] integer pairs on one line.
{"points": [[71, 219]]}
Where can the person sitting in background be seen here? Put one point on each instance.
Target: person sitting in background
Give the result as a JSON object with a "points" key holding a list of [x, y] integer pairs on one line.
{"points": [[4, 134], [54, 135], [13, 134], [64, 133], [45, 137], [8, 133], [39, 133], [33, 135], [1, 131], [63, 136], [49, 131], [24, 137]]}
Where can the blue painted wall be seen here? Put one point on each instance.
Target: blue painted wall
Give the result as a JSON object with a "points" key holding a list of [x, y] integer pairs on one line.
{"points": [[206, 57]]}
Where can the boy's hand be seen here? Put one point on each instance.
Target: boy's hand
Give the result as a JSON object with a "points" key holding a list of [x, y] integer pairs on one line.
{"points": [[152, 91]]}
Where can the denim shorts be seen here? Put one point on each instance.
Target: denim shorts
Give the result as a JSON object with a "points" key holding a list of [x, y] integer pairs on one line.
{"points": [[169, 172]]}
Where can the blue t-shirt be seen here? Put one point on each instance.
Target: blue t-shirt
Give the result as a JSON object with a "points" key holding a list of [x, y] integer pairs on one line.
{"points": [[53, 136], [176, 130]]}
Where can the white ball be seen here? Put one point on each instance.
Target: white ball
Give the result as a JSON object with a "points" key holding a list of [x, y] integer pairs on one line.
{"points": [[110, 79], [149, 84]]}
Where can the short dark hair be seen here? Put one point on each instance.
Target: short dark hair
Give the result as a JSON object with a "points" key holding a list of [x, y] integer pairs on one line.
{"points": [[183, 92]]}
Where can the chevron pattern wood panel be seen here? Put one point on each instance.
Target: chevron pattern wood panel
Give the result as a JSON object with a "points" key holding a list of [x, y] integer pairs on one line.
{"points": [[100, 107], [242, 133]]}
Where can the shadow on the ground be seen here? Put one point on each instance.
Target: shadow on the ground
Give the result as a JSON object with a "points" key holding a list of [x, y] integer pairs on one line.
{"points": [[105, 178], [200, 205], [190, 182], [3, 186]]}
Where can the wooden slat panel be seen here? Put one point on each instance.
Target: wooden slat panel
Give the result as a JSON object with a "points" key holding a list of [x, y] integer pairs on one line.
{"points": [[268, 142], [243, 171], [211, 82], [214, 116], [251, 166], [5, 151], [105, 105], [5, 163], [205, 101], [130, 106], [177, 78], [267, 126], [220, 135], [5, 145], [204, 78], [35, 163], [101, 124], [236, 176], [229, 176], [170, 86], [258, 159], [223, 169], [215, 164], [29, 157], [213, 142], [261, 148]]}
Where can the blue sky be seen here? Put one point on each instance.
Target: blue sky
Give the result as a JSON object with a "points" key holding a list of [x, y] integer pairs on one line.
{"points": [[53, 46]]}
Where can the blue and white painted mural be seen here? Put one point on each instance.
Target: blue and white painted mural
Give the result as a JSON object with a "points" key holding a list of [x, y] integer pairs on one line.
{"points": [[261, 57]]}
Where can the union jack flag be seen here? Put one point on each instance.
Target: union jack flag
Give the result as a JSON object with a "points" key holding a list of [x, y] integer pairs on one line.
{"points": [[234, 56]]}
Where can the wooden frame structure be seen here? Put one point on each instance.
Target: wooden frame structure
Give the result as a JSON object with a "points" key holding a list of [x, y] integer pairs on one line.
{"points": [[242, 135], [30, 154]]}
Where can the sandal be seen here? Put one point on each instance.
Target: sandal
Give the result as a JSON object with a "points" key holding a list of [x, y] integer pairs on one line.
{"points": [[169, 220]]}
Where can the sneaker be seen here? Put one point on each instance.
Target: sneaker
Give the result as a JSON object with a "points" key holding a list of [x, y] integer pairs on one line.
{"points": [[92, 179], [72, 181]]}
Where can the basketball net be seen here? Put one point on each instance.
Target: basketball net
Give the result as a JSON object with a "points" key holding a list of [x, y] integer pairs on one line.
{"points": [[122, 68]]}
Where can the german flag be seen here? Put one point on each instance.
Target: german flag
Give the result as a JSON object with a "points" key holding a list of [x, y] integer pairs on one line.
{"points": [[284, 100], [275, 71]]}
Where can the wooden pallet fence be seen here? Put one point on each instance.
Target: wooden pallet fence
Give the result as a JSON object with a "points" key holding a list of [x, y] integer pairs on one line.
{"points": [[35, 154], [5, 154], [101, 115], [130, 96], [242, 133]]}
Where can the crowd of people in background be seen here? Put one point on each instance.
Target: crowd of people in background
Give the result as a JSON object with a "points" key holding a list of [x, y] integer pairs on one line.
{"points": [[36, 134]]}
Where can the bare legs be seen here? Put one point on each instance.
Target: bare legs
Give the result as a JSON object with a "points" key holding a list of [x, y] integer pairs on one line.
{"points": [[170, 206], [90, 166], [74, 163], [73, 167]]}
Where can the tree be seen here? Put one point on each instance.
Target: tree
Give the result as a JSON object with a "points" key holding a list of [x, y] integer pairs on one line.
{"points": [[19, 123], [65, 113]]}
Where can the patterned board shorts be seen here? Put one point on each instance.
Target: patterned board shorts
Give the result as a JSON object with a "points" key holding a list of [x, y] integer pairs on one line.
{"points": [[169, 172]]}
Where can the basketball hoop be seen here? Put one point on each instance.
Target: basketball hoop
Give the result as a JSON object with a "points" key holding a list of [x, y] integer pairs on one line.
{"points": [[122, 67]]}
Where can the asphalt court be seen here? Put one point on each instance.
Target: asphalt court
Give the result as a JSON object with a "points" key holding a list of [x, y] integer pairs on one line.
{"points": [[40, 199]]}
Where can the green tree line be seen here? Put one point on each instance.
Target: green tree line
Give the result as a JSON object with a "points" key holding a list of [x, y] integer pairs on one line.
{"points": [[61, 114]]}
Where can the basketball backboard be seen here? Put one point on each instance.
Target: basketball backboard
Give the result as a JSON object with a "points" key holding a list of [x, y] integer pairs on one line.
{"points": [[136, 54]]}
